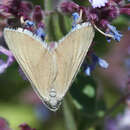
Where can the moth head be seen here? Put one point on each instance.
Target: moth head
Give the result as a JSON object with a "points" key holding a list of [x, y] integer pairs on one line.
{"points": [[53, 104]]}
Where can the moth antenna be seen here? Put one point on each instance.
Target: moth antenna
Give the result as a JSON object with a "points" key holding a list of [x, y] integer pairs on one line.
{"points": [[105, 34], [22, 20], [80, 16]]}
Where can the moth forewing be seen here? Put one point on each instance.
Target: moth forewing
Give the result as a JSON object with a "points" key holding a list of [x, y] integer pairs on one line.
{"points": [[70, 54], [34, 59], [50, 71]]}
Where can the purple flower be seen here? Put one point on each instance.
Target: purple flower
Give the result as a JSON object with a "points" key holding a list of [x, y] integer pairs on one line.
{"points": [[110, 9], [108, 39], [90, 68], [29, 23], [102, 63], [75, 16], [88, 71], [110, 124], [125, 9], [25, 126], [12, 10], [17, 8], [4, 124], [41, 33], [94, 61], [124, 120], [69, 7], [4, 65], [38, 14], [98, 3], [116, 34], [121, 122], [104, 23]]}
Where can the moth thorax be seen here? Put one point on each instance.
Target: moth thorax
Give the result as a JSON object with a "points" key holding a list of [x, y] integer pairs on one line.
{"points": [[52, 93], [53, 102]]}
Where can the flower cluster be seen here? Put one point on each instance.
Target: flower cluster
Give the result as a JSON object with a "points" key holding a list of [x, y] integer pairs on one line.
{"points": [[11, 13], [19, 8], [99, 3], [116, 34], [101, 14], [95, 60], [10, 59], [16, 13]]}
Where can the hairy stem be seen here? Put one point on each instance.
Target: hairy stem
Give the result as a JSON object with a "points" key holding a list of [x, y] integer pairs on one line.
{"points": [[68, 116], [110, 111]]}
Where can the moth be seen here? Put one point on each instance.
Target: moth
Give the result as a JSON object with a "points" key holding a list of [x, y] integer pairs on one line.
{"points": [[50, 70]]}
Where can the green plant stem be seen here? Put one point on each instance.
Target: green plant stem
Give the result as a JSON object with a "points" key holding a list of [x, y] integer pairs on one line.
{"points": [[110, 111], [47, 8], [47, 5], [68, 116]]}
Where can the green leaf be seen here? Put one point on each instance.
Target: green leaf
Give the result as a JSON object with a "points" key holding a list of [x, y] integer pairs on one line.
{"points": [[89, 91], [83, 96]]}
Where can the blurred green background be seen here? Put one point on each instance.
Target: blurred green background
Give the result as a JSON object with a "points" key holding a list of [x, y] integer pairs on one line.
{"points": [[88, 98]]}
